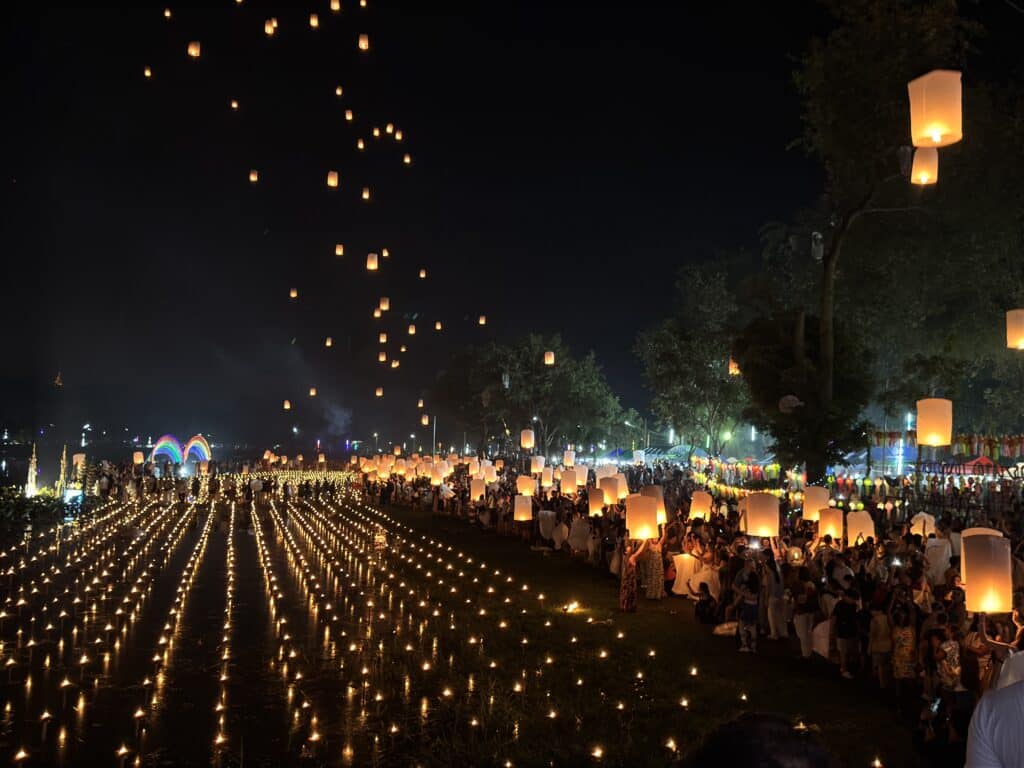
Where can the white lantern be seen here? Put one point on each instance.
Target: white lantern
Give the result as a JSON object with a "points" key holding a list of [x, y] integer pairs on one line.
{"points": [[934, 421], [193, 49], [526, 485], [967, 533], [762, 516], [523, 510], [138, 458], [490, 475], [815, 500], [610, 488], [568, 481], [623, 485], [569, 458], [595, 500], [384, 303], [657, 493], [700, 505], [1015, 329], [830, 523], [990, 563], [536, 464], [371, 262], [476, 489], [936, 116], [332, 179], [925, 168], [364, 42], [859, 527], [641, 517], [549, 358], [922, 524], [546, 478], [526, 441]]}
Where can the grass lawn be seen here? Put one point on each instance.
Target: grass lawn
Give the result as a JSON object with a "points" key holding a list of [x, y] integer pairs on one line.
{"points": [[857, 722]]}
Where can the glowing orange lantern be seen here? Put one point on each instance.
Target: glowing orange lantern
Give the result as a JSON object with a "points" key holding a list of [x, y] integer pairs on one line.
{"points": [[549, 358], [287, 405], [641, 517], [312, 391], [1015, 329], [371, 262], [332, 179], [934, 421], [526, 441], [762, 515], [254, 176], [989, 561], [364, 42], [523, 511], [379, 392], [815, 500], [936, 118], [925, 169], [193, 49]]}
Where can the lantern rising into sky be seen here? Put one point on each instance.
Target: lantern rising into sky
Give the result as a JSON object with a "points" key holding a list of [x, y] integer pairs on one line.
{"points": [[1015, 329], [936, 118], [988, 562], [925, 169], [934, 421]]}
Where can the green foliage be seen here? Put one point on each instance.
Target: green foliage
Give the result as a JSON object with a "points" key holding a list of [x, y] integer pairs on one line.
{"points": [[16, 512], [778, 361], [497, 388], [685, 360]]}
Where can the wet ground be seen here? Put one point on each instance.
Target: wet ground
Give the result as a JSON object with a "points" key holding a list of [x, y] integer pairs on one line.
{"points": [[327, 633]]}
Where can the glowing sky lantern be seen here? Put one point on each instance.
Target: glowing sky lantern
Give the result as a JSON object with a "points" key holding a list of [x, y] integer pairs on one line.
{"points": [[332, 179], [423, 274], [234, 104], [859, 527], [328, 342], [193, 49], [989, 562], [366, 193], [526, 485], [364, 42], [376, 312], [482, 320], [734, 367], [384, 304], [402, 348], [269, 27], [360, 144], [925, 168], [549, 358], [641, 517], [314, 21], [934, 421], [536, 464], [477, 488], [379, 392], [312, 391], [167, 13], [138, 458], [412, 329], [657, 493], [762, 518], [425, 420], [568, 481], [398, 135], [569, 458], [936, 117], [526, 440], [376, 132], [395, 363], [419, 403], [595, 501], [815, 500], [339, 91], [1015, 329], [339, 249], [382, 356], [437, 325], [967, 533], [287, 405], [830, 522], [700, 505], [254, 176], [147, 72], [385, 252], [609, 487], [349, 115], [523, 510], [371, 262], [547, 477], [335, 5], [407, 159]]}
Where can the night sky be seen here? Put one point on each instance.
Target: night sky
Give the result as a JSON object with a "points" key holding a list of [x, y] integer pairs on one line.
{"points": [[567, 158]]}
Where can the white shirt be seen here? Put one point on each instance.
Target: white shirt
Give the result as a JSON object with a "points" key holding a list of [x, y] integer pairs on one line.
{"points": [[1012, 671], [996, 738]]}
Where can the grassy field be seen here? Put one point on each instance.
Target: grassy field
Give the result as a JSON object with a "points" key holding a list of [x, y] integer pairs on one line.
{"points": [[857, 722]]}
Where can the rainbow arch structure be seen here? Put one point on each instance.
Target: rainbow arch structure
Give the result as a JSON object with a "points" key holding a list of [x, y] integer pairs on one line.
{"points": [[198, 444], [168, 446]]}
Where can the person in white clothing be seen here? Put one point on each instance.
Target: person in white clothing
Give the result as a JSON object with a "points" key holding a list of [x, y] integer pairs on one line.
{"points": [[996, 738]]}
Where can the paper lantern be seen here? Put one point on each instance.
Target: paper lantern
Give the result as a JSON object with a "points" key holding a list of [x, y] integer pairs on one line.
{"points": [[193, 49], [830, 523], [762, 515], [922, 524], [412, 329], [526, 485], [332, 179], [568, 481], [364, 42], [523, 510], [476, 489], [569, 458], [353, 459], [423, 274], [293, 293], [376, 133], [536, 464], [641, 517], [605, 470], [436, 476], [547, 478], [437, 325], [234, 104], [167, 13], [526, 440], [482, 320], [360, 144], [398, 135], [595, 500], [321, 458], [328, 342], [425, 420], [936, 118], [990, 563], [859, 527], [314, 20], [287, 405], [371, 262], [1015, 329], [366, 193], [581, 477], [491, 474], [734, 367], [349, 116], [382, 356], [379, 392], [267, 455], [610, 488], [966, 533], [269, 27], [385, 304], [700, 505], [254, 176], [397, 450], [549, 358], [934, 421], [339, 249], [335, 5], [657, 493], [402, 348], [147, 72], [376, 313], [138, 458], [419, 403], [925, 169], [312, 391], [815, 500], [623, 485], [395, 363], [77, 459], [407, 159]]}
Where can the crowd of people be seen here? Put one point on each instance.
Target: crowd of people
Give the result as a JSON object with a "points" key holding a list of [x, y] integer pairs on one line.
{"points": [[888, 609]]}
